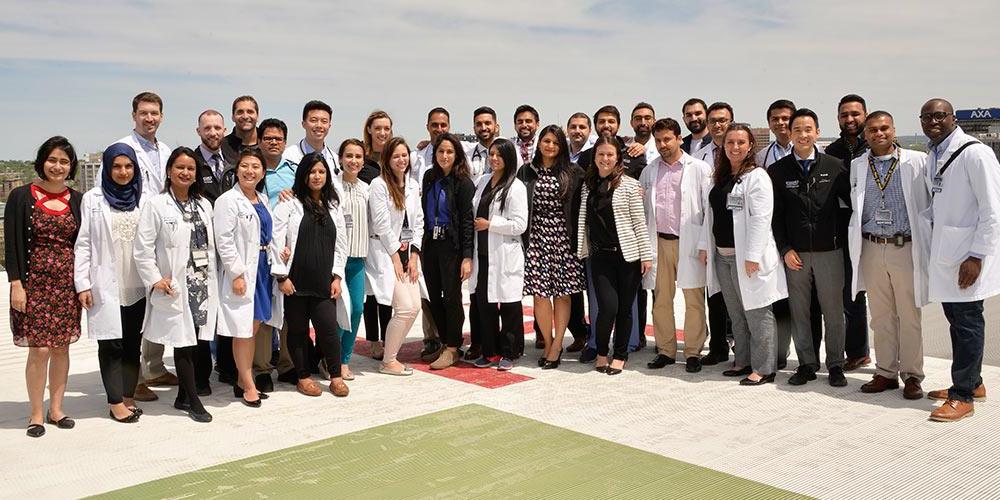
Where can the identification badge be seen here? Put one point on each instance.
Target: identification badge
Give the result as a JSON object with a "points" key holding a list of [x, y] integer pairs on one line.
{"points": [[437, 233], [937, 184], [200, 257], [792, 184], [883, 217], [349, 222], [734, 202], [406, 235], [208, 179]]}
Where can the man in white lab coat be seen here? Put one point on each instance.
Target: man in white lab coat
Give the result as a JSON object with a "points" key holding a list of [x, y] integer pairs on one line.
{"points": [[317, 119], [147, 113], [642, 120], [438, 122], [779, 117], [964, 226], [487, 128]]}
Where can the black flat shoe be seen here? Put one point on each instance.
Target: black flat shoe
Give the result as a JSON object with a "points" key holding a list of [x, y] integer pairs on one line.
{"points": [[238, 392], [251, 404], [614, 371], [601, 369], [763, 380], [713, 359], [182, 405], [63, 423], [136, 410], [742, 372], [203, 417], [660, 361], [264, 382], [130, 419], [36, 430]]}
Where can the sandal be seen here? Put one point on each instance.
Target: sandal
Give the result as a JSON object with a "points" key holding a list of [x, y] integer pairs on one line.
{"points": [[36, 430], [62, 423]]}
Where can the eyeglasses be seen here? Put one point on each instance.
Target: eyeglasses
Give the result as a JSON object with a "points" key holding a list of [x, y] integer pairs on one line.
{"points": [[934, 117], [719, 121], [272, 139]]}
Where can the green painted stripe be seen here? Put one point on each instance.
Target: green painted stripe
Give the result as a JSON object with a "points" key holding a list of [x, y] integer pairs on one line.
{"points": [[466, 452]]}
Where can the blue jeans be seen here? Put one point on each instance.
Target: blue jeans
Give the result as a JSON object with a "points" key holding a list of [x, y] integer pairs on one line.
{"points": [[968, 333], [355, 283]]}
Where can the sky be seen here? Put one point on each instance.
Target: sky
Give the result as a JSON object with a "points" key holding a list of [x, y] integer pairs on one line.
{"points": [[72, 68]]}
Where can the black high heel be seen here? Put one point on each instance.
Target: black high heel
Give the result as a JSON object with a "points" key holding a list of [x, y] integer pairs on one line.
{"points": [[550, 365], [238, 393]]}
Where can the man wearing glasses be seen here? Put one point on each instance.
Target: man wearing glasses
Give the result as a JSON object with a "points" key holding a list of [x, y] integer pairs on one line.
{"points": [[961, 230]]}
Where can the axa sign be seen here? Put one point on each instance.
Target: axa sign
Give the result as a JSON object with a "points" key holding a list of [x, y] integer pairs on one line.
{"points": [[978, 114]]}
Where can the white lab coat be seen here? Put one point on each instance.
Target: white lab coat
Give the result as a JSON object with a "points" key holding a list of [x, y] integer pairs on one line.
{"points": [[707, 154], [296, 152], [153, 176], [384, 233], [95, 266], [505, 282], [964, 217], [420, 162], [287, 219], [696, 177], [237, 239], [754, 242], [651, 152], [911, 174], [162, 247]]}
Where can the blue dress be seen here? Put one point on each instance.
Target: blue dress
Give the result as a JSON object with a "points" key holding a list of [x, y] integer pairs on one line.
{"points": [[262, 291]]}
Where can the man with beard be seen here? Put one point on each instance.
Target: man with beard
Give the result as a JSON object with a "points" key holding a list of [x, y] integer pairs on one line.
{"points": [[244, 134], [851, 114], [643, 117], [695, 113], [486, 128], [526, 126], [578, 135], [607, 121], [421, 159]]}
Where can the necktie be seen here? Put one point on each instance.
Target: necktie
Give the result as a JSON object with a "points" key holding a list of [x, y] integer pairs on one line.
{"points": [[805, 167], [217, 165]]}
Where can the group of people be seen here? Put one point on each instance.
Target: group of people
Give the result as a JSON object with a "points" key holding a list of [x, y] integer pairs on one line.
{"points": [[229, 251]]}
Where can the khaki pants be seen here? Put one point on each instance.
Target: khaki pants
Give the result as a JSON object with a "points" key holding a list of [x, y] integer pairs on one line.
{"points": [[262, 350], [285, 364], [895, 318], [664, 324], [152, 361]]}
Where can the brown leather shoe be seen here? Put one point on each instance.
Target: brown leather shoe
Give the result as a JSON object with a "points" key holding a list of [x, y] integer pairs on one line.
{"points": [[880, 384], [339, 388], [446, 359], [144, 393], [307, 387], [979, 394], [912, 389], [165, 379], [855, 363], [577, 345], [953, 410]]}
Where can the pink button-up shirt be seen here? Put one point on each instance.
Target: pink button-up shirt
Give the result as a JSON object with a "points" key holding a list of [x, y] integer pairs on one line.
{"points": [[668, 196]]}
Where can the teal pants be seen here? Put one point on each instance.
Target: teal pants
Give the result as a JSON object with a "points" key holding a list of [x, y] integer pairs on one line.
{"points": [[355, 282]]}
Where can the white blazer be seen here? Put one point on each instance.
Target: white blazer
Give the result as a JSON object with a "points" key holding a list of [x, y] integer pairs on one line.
{"points": [[287, 219], [964, 217], [505, 280], [754, 242], [420, 163], [162, 247], [917, 197], [237, 239], [153, 176], [384, 236], [95, 266], [696, 177]]}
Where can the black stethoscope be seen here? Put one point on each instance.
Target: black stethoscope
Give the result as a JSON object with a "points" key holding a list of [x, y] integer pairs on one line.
{"points": [[326, 149]]}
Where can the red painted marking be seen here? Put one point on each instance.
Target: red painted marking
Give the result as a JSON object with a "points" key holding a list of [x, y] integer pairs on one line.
{"points": [[488, 378]]}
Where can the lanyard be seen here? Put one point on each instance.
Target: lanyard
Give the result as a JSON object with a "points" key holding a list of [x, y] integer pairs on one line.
{"points": [[437, 190], [882, 184], [771, 149]]}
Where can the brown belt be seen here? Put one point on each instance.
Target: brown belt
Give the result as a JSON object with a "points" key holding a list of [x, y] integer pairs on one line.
{"points": [[897, 240]]}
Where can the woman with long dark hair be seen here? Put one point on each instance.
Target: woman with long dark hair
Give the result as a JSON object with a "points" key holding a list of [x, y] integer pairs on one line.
{"points": [[497, 282], [613, 233], [311, 226], [105, 269], [41, 223], [448, 241], [174, 252], [741, 254], [553, 272], [393, 263]]}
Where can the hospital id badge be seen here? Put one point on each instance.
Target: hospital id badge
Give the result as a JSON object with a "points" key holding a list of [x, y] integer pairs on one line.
{"points": [[937, 184], [883, 217], [734, 202], [406, 235], [349, 222], [200, 257]]}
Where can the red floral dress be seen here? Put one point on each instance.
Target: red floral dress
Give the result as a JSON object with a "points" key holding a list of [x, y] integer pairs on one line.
{"points": [[52, 315]]}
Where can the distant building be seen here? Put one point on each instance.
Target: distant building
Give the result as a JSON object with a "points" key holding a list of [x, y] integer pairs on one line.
{"points": [[761, 136], [87, 170], [983, 124]]}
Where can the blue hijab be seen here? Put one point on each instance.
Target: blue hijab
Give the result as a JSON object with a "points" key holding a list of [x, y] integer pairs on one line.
{"points": [[124, 198]]}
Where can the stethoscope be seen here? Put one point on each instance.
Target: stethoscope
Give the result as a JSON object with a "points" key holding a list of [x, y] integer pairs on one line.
{"points": [[771, 148], [326, 149]]}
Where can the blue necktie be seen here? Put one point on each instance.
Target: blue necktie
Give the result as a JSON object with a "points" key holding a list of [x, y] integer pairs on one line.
{"points": [[805, 167]]}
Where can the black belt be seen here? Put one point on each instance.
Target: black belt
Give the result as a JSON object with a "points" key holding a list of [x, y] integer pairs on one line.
{"points": [[897, 240], [606, 249], [668, 236]]}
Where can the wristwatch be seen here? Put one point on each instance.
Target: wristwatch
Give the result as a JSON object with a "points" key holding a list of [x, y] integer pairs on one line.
{"points": [[281, 279]]}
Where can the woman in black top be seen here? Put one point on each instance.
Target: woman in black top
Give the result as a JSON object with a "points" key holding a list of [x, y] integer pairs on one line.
{"points": [[42, 221], [446, 197]]}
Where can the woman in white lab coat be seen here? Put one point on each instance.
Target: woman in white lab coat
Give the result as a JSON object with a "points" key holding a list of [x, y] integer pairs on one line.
{"points": [[311, 226], [107, 280], [174, 251], [393, 264], [243, 238], [738, 246], [500, 207]]}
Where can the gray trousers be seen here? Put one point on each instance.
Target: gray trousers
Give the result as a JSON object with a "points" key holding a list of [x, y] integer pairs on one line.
{"points": [[827, 270], [753, 330]]}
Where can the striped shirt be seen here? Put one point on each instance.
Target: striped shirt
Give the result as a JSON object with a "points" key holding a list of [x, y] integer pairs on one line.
{"points": [[894, 201], [355, 205]]}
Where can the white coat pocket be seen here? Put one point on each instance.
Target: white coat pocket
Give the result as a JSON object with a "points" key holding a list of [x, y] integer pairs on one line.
{"points": [[164, 302], [952, 245]]}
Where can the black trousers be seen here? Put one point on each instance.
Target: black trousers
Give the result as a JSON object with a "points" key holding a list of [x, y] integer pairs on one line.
{"points": [[442, 268], [377, 318], [719, 326], [119, 358], [223, 357], [500, 325], [616, 283], [203, 360], [299, 310], [855, 311], [187, 391]]}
